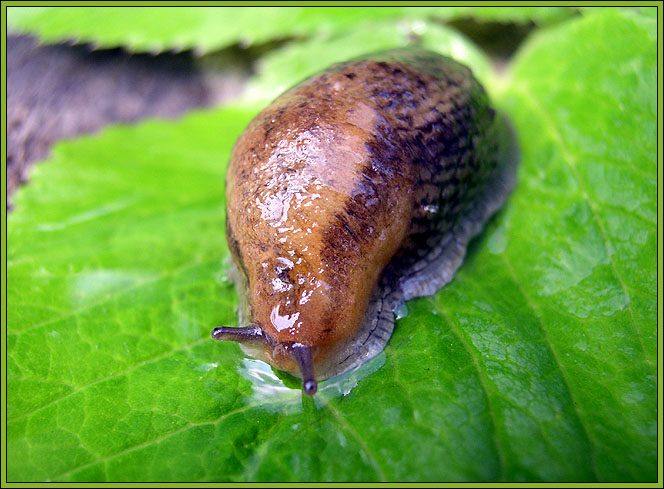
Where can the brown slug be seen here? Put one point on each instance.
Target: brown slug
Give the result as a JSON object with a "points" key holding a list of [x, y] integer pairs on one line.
{"points": [[352, 192]]}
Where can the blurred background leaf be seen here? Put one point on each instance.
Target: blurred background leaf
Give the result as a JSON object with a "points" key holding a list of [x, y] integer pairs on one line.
{"points": [[210, 28]]}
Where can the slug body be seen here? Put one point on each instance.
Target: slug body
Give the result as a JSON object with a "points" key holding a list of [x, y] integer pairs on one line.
{"points": [[352, 192]]}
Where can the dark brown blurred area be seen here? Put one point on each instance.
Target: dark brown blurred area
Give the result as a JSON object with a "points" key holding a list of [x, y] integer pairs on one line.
{"points": [[60, 91]]}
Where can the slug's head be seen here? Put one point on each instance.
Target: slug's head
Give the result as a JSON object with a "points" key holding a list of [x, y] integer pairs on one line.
{"points": [[284, 355]]}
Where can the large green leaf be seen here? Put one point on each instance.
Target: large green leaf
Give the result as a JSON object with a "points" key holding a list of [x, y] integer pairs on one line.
{"points": [[209, 28], [537, 362], [583, 99]]}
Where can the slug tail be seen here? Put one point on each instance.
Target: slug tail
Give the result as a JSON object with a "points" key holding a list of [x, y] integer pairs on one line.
{"points": [[304, 357]]}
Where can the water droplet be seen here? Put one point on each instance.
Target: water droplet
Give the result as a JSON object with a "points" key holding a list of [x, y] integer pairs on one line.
{"points": [[401, 310]]}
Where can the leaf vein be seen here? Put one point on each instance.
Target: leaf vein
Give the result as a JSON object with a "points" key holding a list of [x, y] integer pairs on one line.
{"points": [[589, 438], [357, 437], [457, 333]]}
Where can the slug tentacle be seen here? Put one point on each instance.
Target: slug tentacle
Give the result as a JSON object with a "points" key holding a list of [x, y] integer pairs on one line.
{"points": [[303, 355], [248, 335]]}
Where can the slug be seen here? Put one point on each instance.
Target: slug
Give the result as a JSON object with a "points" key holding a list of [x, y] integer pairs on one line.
{"points": [[353, 192]]}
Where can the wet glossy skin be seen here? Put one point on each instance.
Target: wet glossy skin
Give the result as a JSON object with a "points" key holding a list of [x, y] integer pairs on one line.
{"points": [[347, 177]]}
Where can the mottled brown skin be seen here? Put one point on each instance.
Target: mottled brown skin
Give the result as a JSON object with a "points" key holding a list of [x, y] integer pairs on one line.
{"points": [[347, 177]]}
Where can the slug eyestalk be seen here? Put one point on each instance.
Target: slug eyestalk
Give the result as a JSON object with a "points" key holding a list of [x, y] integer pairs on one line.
{"points": [[254, 336]]}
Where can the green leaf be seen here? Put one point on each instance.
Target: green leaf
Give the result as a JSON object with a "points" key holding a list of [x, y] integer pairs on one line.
{"points": [[209, 28], [536, 363], [178, 28]]}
